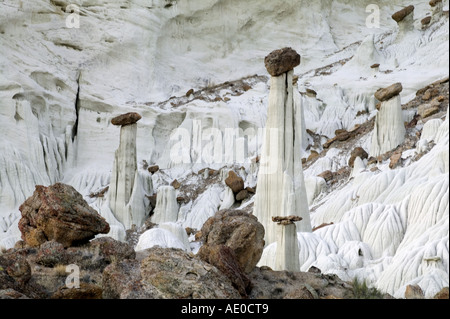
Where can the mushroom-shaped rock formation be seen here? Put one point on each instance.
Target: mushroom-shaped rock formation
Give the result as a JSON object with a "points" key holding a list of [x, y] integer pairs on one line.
{"points": [[281, 61], [405, 20], [287, 254], [389, 130], [281, 186], [128, 187]]}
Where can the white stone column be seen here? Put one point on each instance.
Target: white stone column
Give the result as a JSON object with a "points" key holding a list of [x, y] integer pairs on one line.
{"points": [[389, 129], [281, 187], [287, 253], [127, 187]]}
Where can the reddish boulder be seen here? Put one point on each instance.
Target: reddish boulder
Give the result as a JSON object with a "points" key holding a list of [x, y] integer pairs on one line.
{"points": [[59, 213]]}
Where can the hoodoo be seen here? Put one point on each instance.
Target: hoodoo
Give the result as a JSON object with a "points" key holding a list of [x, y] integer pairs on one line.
{"points": [[287, 253], [405, 20], [126, 189], [389, 130], [281, 187]]}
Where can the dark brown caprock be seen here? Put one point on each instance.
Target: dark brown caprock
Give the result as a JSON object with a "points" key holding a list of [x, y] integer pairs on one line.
{"points": [[281, 61], [126, 119], [389, 92]]}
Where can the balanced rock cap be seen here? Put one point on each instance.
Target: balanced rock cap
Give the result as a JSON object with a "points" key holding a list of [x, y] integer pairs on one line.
{"points": [[281, 61], [389, 92], [403, 13], [434, 3], [127, 118]]}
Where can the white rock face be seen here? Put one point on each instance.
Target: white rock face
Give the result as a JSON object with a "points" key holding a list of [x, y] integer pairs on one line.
{"points": [[166, 209], [280, 167], [159, 237], [389, 130]]}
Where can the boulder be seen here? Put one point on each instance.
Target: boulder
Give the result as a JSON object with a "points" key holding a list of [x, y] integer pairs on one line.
{"points": [[357, 152], [10, 293], [175, 184], [414, 292], [389, 92], [235, 182], [270, 284], [224, 259], [126, 119], [426, 20], [314, 155], [395, 160], [326, 175], [85, 291], [243, 194], [120, 276], [429, 111], [281, 61], [240, 231], [153, 169], [434, 3], [442, 294], [52, 253], [59, 213], [343, 136], [177, 274], [403, 13]]}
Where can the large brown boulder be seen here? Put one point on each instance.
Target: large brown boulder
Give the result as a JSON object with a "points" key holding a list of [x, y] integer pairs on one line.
{"points": [[389, 92], [59, 213], [166, 273], [224, 259], [235, 182], [281, 61], [240, 231]]}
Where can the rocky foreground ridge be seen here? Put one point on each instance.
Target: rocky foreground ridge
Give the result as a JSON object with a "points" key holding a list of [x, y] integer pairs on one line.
{"points": [[104, 268]]}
